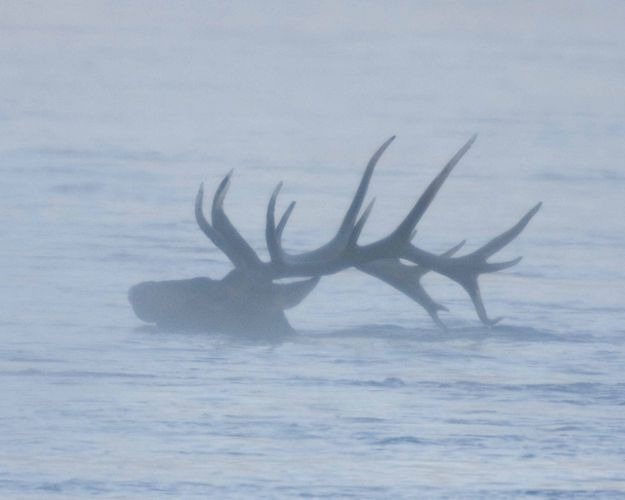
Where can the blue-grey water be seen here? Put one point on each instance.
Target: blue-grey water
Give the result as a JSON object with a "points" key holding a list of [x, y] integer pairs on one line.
{"points": [[111, 115]]}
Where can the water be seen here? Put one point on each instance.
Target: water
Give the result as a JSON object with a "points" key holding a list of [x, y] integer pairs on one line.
{"points": [[112, 115]]}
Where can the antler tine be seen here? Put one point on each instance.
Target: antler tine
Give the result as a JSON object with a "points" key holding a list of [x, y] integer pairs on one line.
{"points": [[360, 224], [352, 212], [218, 240], [497, 243], [271, 233], [453, 250], [245, 253], [400, 237], [414, 216], [206, 228], [284, 219], [465, 270], [406, 279]]}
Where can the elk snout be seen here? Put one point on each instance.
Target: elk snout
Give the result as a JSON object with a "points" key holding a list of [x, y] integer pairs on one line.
{"points": [[141, 298]]}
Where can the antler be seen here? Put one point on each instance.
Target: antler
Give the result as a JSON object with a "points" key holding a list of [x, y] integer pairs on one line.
{"points": [[379, 259]]}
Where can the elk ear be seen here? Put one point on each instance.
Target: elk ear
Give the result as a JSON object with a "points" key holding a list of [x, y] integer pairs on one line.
{"points": [[287, 295]]}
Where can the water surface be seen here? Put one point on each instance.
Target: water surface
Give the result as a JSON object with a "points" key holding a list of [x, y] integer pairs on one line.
{"points": [[112, 115]]}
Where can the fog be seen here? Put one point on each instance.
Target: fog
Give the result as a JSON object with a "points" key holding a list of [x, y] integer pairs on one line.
{"points": [[112, 115]]}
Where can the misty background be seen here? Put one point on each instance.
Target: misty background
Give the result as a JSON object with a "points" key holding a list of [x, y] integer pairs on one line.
{"points": [[112, 114]]}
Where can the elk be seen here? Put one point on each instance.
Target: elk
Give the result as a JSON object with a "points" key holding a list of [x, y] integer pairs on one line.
{"points": [[250, 299]]}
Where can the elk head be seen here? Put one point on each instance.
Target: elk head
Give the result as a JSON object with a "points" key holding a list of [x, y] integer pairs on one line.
{"points": [[248, 299], [239, 303]]}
